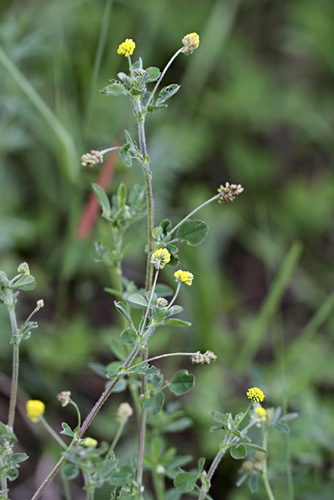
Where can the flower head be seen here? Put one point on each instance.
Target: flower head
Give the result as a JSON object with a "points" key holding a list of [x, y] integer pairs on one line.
{"points": [[40, 303], [229, 192], [160, 258], [190, 42], [184, 277], [89, 442], [162, 302], [35, 409], [260, 413], [92, 158], [64, 397], [255, 394], [126, 48], [23, 268], [203, 359], [124, 412]]}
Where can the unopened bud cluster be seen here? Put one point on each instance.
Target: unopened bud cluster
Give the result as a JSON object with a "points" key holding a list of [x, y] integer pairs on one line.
{"points": [[92, 158], [229, 192], [23, 268], [203, 359], [124, 412]]}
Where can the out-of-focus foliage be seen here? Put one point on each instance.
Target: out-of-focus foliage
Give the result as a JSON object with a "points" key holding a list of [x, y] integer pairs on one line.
{"points": [[255, 107]]}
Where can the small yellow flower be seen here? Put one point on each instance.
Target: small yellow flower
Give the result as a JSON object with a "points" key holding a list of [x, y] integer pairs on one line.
{"points": [[126, 48], [89, 442], [35, 409], [160, 258], [261, 413], [184, 277], [190, 42], [255, 394]]}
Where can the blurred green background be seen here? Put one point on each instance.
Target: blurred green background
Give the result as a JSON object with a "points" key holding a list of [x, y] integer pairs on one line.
{"points": [[256, 107]]}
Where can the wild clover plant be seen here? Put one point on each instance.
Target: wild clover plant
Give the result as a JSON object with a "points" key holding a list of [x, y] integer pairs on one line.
{"points": [[98, 463]]}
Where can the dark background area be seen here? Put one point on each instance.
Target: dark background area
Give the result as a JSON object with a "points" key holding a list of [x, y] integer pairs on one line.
{"points": [[256, 107]]}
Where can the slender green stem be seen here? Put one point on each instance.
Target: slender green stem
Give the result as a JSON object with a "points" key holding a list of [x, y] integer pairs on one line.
{"points": [[77, 410], [163, 356], [162, 75], [116, 439], [90, 494], [244, 415], [15, 367], [149, 303], [175, 295], [189, 215], [265, 468], [53, 433], [158, 484]]}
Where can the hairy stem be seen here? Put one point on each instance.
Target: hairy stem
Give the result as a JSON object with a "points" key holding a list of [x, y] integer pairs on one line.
{"points": [[15, 369], [103, 398], [215, 463]]}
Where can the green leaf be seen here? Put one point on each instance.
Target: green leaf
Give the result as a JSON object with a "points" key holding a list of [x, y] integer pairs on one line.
{"points": [[238, 452], [167, 92], [129, 336], [66, 430], [113, 369], [103, 200], [181, 383], [192, 231], [122, 309], [288, 416], [253, 483], [137, 301], [176, 322], [118, 348], [98, 369], [174, 310], [200, 464], [125, 155], [153, 73], [185, 481], [70, 471], [178, 425], [221, 418], [121, 476], [163, 290], [282, 427], [122, 195], [153, 107], [25, 283], [115, 89], [17, 458], [144, 370], [154, 404], [173, 494], [158, 314]]}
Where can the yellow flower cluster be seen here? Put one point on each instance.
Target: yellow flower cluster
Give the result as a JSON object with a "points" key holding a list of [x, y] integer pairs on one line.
{"points": [[35, 409], [184, 277], [160, 258], [126, 48], [255, 394], [190, 42], [89, 442], [260, 413]]}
